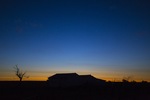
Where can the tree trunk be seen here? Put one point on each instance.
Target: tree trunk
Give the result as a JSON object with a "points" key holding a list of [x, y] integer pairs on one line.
{"points": [[20, 79]]}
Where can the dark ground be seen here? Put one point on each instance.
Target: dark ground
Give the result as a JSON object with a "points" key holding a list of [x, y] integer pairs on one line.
{"points": [[38, 90]]}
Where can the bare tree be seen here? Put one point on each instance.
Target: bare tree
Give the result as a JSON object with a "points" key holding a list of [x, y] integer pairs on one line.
{"points": [[20, 74], [126, 79]]}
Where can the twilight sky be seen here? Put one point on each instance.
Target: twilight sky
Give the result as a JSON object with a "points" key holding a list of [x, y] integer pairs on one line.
{"points": [[109, 39]]}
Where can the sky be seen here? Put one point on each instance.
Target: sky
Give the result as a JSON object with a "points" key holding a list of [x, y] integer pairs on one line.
{"points": [[109, 39]]}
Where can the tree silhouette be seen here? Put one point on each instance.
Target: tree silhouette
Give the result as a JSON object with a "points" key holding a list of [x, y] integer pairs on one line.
{"points": [[126, 79], [19, 73]]}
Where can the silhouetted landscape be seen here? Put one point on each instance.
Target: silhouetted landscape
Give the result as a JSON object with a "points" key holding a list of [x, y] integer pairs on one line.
{"points": [[43, 90], [74, 49]]}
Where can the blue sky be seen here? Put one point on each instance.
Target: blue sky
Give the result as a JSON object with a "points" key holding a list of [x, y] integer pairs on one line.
{"points": [[76, 36]]}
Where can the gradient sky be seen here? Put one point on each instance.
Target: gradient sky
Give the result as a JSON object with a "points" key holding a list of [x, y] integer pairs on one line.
{"points": [[109, 39]]}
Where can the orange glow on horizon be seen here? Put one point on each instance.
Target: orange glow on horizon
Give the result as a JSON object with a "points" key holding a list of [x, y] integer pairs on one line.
{"points": [[44, 78], [105, 74]]}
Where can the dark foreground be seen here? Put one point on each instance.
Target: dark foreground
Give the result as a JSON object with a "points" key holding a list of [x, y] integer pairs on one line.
{"points": [[39, 91]]}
